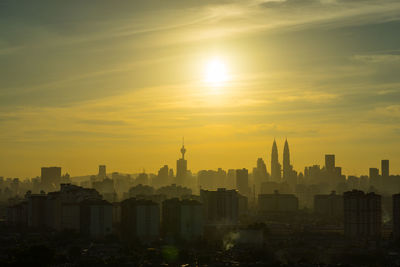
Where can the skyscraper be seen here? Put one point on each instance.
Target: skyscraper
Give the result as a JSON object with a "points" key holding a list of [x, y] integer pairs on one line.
{"points": [[181, 167], [275, 166], [102, 171], [286, 161], [385, 168], [330, 163], [242, 181]]}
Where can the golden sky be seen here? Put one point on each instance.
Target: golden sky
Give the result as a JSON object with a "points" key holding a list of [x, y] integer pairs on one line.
{"points": [[86, 83]]}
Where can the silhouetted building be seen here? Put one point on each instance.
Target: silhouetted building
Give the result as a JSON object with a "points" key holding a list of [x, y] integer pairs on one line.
{"points": [[362, 214], [182, 219], [181, 168], [102, 172], [286, 162], [260, 174], [385, 168], [140, 220], [220, 207], [373, 173], [396, 216], [275, 166], [330, 163], [329, 206], [96, 217], [37, 210], [50, 178], [277, 203], [162, 178], [242, 181]]}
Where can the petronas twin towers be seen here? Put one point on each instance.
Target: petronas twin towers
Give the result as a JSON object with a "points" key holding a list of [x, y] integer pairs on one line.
{"points": [[276, 170]]}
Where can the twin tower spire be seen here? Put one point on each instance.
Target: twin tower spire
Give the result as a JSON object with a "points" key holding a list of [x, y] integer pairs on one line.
{"points": [[276, 170]]}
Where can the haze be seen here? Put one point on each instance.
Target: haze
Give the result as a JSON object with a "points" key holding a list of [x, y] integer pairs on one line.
{"points": [[85, 83]]}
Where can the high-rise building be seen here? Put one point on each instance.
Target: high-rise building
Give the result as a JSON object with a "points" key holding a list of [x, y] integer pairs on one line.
{"points": [[242, 181], [329, 206], [181, 167], [362, 214], [373, 173], [385, 168], [182, 219], [286, 162], [220, 207], [330, 163], [260, 174], [140, 219], [396, 216], [275, 166], [50, 177], [102, 172]]}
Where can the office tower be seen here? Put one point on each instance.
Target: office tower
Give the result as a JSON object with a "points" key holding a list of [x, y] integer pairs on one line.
{"points": [[330, 163], [260, 174], [275, 166], [102, 172], [329, 206], [385, 168], [181, 168], [182, 219], [286, 162], [221, 207], [140, 220], [50, 178], [396, 216], [277, 203], [242, 181], [162, 178], [362, 214], [373, 173]]}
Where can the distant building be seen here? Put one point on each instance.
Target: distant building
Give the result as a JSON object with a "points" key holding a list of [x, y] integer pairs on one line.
{"points": [[277, 203], [220, 207], [181, 168], [330, 163], [275, 166], [50, 178], [362, 214], [182, 219], [396, 216], [260, 174], [102, 172], [329, 206], [373, 173], [242, 181], [385, 168], [140, 220]]}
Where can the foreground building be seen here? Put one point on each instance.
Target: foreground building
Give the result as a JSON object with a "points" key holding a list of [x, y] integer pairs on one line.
{"points": [[329, 206], [396, 216], [140, 220], [182, 219], [362, 215], [221, 207]]}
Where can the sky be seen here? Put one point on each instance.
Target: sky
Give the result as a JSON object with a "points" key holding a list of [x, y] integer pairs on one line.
{"points": [[120, 83]]}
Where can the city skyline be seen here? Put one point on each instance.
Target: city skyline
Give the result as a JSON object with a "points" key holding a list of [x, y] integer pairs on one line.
{"points": [[282, 165]]}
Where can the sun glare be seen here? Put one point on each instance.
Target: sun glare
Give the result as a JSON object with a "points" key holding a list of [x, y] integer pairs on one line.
{"points": [[216, 73]]}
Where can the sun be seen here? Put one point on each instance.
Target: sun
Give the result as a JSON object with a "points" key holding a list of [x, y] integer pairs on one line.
{"points": [[215, 73]]}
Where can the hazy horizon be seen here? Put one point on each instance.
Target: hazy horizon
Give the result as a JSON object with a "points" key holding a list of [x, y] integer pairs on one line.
{"points": [[85, 84]]}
